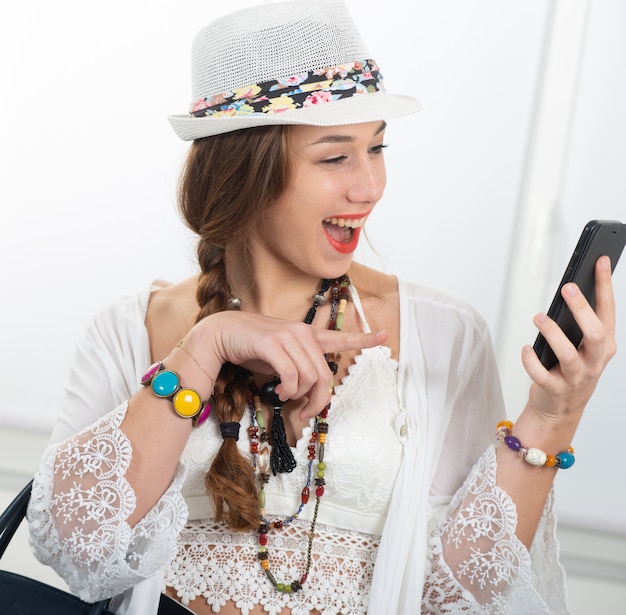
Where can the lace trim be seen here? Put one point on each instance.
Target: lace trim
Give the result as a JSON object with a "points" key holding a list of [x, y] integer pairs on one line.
{"points": [[477, 563], [220, 565], [78, 513]]}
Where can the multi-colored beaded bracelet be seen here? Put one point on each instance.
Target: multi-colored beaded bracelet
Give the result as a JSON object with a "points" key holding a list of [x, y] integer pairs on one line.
{"points": [[533, 456], [165, 384]]}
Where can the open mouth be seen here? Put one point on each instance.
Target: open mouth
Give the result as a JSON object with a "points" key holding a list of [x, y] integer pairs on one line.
{"points": [[343, 233]]}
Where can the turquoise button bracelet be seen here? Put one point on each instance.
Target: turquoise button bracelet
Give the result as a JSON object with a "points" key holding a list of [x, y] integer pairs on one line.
{"points": [[165, 383]]}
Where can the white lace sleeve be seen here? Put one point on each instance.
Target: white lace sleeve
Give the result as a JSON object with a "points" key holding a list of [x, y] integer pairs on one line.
{"points": [[477, 565], [79, 507]]}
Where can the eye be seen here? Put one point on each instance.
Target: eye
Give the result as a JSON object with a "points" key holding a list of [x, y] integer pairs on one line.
{"points": [[378, 149], [334, 160]]}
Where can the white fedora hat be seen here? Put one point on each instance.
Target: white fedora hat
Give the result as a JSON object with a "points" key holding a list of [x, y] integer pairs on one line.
{"points": [[285, 62]]}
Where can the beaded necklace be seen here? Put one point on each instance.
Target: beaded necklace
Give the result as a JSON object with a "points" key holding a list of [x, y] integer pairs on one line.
{"points": [[262, 451]]}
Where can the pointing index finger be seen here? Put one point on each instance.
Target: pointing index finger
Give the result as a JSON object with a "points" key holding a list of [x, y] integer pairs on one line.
{"points": [[336, 341]]}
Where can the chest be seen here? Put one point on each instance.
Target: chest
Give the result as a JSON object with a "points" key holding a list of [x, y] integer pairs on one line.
{"points": [[363, 450]]}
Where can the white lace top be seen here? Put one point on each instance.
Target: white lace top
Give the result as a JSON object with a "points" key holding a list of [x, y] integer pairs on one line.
{"points": [[362, 455], [436, 537]]}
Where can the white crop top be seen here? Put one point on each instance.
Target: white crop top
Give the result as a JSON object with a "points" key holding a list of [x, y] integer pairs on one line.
{"points": [[362, 454]]}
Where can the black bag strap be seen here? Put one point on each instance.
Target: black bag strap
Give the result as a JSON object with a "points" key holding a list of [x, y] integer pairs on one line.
{"points": [[12, 517]]}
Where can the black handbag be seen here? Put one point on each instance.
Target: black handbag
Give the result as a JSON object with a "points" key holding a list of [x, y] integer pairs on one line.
{"points": [[21, 595]]}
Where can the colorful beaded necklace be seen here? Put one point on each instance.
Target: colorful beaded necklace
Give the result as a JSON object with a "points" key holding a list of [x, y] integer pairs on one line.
{"points": [[262, 451]]}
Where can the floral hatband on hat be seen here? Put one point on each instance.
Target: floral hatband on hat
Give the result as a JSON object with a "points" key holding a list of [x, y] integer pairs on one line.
{"points": [[295, 91], [285, 62]]}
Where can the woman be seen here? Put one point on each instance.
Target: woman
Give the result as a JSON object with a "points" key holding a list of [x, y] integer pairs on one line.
{"points": [[346, 448]]}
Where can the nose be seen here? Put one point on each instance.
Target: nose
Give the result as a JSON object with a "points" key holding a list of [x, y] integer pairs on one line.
{"points": [[367, 182]]}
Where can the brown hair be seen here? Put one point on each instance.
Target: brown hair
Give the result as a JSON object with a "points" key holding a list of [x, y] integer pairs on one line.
{"points": [[228, 183]]}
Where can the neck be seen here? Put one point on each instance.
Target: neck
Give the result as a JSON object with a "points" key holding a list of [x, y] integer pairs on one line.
{"points": [[280, 292]]}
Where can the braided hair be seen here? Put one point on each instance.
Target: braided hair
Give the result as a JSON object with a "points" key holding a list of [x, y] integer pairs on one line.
{"points": [[228, 183]]}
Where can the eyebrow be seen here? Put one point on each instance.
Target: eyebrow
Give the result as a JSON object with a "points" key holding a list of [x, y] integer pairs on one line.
{"points": [[346, 138]]}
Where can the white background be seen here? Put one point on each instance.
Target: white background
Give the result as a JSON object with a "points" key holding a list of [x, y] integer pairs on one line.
{"points": [[89, 165]]}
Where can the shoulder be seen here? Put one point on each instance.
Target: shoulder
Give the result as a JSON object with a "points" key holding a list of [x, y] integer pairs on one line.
{"points": [[112, 347], [172, 301], [125, 311], [126, 317], [170, 313], [425, 300], [443, 325], [378, 294], [374, 285], [397, 294]]}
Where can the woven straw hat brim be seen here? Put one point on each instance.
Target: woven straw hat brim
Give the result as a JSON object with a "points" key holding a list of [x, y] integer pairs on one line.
{"points": [[357, 109], [261, 47]]}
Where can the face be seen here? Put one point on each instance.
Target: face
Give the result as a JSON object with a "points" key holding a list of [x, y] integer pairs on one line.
{"points": [[338, 176]]}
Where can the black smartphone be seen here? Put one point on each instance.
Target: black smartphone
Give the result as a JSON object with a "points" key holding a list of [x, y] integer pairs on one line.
{"points": [[599, 238]]}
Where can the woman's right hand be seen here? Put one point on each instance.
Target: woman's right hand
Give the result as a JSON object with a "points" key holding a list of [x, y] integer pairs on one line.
{"points": [[294, 351]]}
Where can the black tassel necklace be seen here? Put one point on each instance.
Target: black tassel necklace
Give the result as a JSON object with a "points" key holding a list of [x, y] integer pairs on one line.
{"points": [[278, 457]]}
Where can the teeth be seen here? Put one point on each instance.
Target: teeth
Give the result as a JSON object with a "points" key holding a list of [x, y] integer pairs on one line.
{"points": [[350, 223]]}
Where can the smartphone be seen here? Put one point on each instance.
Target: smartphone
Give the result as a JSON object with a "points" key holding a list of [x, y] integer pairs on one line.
{"points": [[599, 238]]}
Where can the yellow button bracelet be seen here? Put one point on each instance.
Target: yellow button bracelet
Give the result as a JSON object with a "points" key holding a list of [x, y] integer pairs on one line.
{"points": [[165, 384]]}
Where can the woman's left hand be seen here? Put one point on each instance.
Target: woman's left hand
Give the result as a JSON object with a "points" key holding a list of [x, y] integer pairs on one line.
{"points": [[560, 394]]}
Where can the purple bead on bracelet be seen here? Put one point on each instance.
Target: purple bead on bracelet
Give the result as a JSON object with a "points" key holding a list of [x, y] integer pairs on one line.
{"points": [[203, 416], [533, 456], [150, 372]]}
